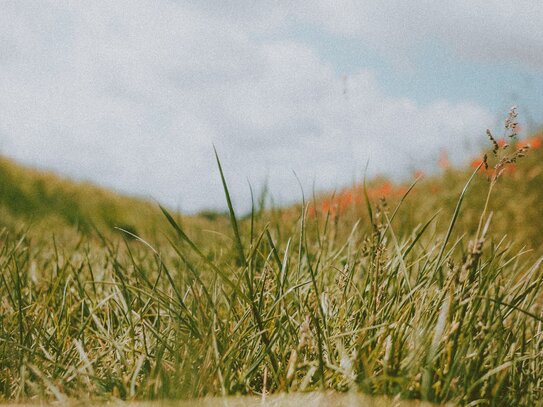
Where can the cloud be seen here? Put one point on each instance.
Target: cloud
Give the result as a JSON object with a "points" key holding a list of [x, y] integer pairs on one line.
{"points": [[482, 30], [133, 95]]}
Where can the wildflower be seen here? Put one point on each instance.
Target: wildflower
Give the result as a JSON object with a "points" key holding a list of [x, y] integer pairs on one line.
{"points": [[482, 165], [312, 211], [502, 144], [476, 163], [326, 205], [401, 190], [419, 174], [443, 161], [385, 189], [533, 142], [345, 200], [510, 169]]}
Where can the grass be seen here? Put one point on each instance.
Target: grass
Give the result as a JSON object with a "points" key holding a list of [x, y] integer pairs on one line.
{"points": [[410, 298]]}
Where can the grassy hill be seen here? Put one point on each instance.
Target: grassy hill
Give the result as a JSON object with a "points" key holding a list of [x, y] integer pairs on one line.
{"points": [[516, 201], [41, 197], [412, 293]]}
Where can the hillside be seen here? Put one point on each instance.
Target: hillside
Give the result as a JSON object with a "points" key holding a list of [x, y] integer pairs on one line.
{"points": [[347, 293], [44, 199], [516, 201], [41, 198]]}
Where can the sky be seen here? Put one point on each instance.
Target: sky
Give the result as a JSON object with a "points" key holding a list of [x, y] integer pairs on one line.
{"points": [[298, 96]]}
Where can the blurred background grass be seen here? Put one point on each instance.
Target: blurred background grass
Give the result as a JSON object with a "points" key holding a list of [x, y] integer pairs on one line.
{"points": [[48, 201], [337, 294]]}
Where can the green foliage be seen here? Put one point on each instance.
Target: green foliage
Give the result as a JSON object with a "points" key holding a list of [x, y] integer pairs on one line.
{"points": [[426, 301], [43, 198]]}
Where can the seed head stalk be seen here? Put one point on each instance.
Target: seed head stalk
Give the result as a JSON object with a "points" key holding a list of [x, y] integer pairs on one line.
{"points": [[503, 157]]}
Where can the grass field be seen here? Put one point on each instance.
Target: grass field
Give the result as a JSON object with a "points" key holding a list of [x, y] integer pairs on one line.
{"points": [[428, 291]]}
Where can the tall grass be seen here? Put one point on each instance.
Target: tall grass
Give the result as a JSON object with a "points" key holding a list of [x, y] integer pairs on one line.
{"points": [[275, 305]]}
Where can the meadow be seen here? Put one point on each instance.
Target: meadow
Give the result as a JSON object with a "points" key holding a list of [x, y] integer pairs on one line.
{"points": [[428, 290]]}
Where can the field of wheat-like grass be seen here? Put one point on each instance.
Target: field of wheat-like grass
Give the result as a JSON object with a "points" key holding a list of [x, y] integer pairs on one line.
{"points": [[429, 291]]}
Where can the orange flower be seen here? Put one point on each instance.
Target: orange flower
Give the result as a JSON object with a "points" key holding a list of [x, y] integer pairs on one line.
{"points": [[476, 163], [419, 174], [443, 161], [510, 169], [523, 143], [358, 200], [533, 142], [326, 205], [383, 191], [401, 190], [345, 200], [482, 170]]}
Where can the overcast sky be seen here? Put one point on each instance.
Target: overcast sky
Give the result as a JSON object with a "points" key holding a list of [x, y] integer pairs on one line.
{"points": [[133, 94]]}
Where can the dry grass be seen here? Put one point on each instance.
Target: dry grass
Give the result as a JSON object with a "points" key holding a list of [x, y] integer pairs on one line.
{"points": [[439, 310]]}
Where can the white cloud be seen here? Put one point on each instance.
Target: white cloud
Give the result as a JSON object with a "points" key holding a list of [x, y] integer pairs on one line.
{"points": [[132, 95], [483, 30]]}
